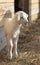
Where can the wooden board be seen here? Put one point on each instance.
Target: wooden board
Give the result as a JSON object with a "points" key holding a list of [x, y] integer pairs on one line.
{"points": [[34, 9], [6, 1], [2, 39], [34, 1]]}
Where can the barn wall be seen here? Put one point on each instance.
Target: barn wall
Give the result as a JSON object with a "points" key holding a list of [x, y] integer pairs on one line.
{"points": [[26, 6], [6, 0], [34, 9]]}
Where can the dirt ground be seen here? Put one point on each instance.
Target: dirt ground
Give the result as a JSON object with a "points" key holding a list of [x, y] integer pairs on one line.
{"points": [[28, 48]]}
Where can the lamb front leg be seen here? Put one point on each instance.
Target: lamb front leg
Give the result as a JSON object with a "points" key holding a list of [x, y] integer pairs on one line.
{"points": [[15, 46], [11, 48], [15, 49]]}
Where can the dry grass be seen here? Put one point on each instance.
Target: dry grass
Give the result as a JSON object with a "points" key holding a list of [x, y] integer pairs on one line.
{"points": [[28, 48]]}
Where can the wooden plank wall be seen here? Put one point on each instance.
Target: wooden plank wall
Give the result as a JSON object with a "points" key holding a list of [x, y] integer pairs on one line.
{"points": [[26, 6], [6, 0], [34, 9], [3, 41]]}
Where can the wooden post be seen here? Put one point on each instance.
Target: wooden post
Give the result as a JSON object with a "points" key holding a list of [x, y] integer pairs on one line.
{"points": [[34, 9]]}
